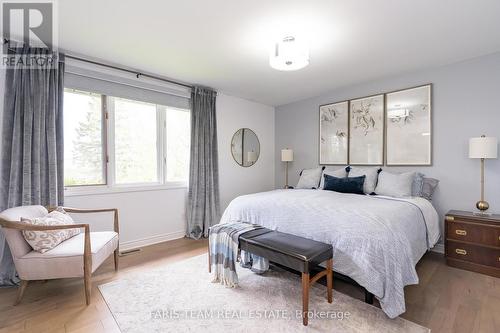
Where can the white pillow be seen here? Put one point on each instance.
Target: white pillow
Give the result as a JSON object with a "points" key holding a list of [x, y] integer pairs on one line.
{"points": [[309, 178], [371, 174], [43, 241], [395, 184], [332, 171]]}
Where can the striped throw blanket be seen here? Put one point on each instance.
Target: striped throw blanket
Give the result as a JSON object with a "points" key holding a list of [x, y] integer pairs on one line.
{"points": [[223, 244]]}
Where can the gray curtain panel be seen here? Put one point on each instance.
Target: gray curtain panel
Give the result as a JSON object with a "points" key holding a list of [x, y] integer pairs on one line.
{"points": [[203, 209], [31, 165]]}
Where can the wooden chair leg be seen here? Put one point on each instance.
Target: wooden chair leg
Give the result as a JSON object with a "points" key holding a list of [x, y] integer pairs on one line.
{"points": [[329, 279], [87, 266], [20, 291], [116, 259], [305, 298], [88, 287]]}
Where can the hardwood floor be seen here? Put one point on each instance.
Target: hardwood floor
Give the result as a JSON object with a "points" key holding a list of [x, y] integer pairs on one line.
{"points": [[446, 300]]}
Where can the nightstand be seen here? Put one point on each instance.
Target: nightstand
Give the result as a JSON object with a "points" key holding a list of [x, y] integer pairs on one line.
{"points": [[472, 242]]}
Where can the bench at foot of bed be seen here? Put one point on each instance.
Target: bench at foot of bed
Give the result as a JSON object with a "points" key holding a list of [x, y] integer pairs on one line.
{"points": [[297, 253]]}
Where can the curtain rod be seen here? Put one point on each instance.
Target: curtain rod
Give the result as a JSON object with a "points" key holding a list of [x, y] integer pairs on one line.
{"points": [[138, 74]]}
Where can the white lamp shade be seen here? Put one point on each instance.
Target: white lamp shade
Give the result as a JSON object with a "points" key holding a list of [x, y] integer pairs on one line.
{"points": [[286, 155], [251, 156], [483, 147]]}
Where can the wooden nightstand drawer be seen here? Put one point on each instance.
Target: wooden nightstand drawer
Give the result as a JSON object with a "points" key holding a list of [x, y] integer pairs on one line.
{"points": [[473, 241], [474, 233], [473, 253]]}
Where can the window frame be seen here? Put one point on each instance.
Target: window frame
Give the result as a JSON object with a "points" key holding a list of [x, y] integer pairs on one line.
{"points": [[109, 160]]}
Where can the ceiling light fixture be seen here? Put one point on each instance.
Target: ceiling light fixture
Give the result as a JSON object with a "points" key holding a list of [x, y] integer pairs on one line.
{"points": [[289, 53]]}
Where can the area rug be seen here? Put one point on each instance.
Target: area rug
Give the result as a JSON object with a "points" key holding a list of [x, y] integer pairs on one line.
{"points": [[181, 298]]}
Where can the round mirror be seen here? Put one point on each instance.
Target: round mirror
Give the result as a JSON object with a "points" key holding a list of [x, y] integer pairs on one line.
{"points": [[245, 147]]}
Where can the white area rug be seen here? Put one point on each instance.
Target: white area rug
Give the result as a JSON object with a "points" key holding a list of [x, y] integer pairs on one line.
{"points": [[180, 298]]}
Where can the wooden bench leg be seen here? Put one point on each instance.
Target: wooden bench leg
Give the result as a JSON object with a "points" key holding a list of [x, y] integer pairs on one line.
{"points": [[305, 298], [329, 279]]}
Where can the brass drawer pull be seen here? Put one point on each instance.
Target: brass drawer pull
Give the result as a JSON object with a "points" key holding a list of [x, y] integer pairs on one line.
{"points": [[461, 252], [449, 218], [461, 232]]}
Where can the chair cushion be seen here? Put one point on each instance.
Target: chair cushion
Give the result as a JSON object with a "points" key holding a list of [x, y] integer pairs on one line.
{"points": [[17, 244], [15, 213], [66, 259], [42, 241]]}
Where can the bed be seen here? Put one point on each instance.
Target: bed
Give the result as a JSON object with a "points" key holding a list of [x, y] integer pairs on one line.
{"points": [[377, 241]]}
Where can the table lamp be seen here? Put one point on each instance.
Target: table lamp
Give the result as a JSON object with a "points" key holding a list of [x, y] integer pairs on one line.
{"points": [[483, 147], [286, 156]]}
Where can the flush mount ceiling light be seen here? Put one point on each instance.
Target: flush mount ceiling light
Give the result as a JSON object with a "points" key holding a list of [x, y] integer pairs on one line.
{"points": [[289, 53]]}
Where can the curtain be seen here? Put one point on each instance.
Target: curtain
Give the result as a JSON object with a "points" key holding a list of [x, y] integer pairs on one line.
{"points": [[31, 164], [203, 209]]}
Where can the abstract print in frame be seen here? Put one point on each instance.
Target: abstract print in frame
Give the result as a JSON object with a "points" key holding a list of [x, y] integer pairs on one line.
{"points": [[409, 126], [366, 131], [333, 132]]}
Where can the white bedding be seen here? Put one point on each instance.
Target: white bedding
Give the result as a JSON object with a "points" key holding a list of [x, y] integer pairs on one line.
{"points": [[376, 240]]}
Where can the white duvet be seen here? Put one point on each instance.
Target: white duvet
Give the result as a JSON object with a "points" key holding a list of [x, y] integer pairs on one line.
{"points": [[376, 240]]}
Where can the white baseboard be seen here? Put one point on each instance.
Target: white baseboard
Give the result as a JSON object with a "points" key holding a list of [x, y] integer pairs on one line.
{"points": [[439, 248], [134, 244]]}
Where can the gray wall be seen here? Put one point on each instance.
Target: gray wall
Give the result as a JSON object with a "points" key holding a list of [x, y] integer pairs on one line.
{"points": [[465, 104]]}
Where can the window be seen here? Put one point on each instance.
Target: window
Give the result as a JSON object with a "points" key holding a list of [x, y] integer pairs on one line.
{"points": [[115, 142], [84, 157], [178, 143], [135, 139]]}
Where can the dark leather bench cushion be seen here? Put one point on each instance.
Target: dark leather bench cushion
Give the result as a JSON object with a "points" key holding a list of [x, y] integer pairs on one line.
{"points": [[289, 250]]}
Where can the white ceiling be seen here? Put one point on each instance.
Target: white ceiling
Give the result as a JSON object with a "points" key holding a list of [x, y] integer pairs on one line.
{"points": [[225, 43]]}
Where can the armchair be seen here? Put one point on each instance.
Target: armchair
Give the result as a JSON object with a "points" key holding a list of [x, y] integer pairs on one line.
{"points": [[78, 256]]}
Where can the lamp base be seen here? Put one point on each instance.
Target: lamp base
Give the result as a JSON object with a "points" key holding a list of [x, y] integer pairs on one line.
{"points": [[483, 214], [482, 205]]}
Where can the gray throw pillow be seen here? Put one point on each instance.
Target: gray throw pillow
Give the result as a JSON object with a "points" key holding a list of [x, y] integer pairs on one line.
{"points": [[371, 174], [309, 178], [332, 171], [428, 187], [395, 184], [418, 182]]}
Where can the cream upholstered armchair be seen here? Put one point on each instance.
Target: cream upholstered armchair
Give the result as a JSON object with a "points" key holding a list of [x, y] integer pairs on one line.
{"points": [[78, 256]]}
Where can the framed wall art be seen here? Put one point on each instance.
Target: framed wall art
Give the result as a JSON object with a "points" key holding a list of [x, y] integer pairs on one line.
{"points": [[366, 130], [333, 133], [409, 126]]}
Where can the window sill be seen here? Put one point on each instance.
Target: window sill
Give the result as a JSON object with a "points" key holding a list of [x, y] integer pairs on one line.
{"points": [[103, 189]]}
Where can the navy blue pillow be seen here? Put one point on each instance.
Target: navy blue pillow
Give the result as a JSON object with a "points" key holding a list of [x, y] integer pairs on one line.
{"points": [[344, 185]]}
